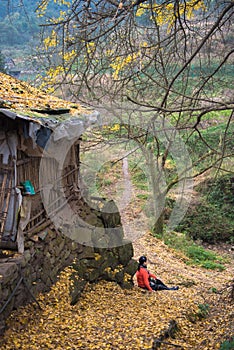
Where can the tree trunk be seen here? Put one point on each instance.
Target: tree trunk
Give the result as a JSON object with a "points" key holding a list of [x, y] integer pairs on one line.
{"points": [[158, 226]]}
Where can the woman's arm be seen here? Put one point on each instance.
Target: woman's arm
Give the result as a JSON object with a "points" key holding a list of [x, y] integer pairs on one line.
{"points": [[152, 275], [146, 276]]}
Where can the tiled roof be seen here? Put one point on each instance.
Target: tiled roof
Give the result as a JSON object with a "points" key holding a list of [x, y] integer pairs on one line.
{"points": [[21, 99]]}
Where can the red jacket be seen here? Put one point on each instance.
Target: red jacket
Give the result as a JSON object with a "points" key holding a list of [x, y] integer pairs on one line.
{"points": [[143, 276]]}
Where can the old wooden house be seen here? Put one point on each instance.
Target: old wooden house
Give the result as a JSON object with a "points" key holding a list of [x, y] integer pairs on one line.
{"points": [[28, 119], [39, 181]]}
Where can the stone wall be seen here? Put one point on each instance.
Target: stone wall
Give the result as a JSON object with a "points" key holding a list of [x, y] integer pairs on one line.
{"points": [[23, 276]]}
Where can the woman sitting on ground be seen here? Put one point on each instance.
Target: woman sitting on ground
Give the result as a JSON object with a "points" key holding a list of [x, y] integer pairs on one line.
{"points": [[147, 280]]}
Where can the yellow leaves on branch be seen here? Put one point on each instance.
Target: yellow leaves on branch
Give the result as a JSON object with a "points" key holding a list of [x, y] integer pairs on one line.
{"points": [[161, 14], [166, 14], [63, 2], [68, 56], [54, 72], [121, 62], [90, 47], [51, 41], [43, 5], [52, 76]]}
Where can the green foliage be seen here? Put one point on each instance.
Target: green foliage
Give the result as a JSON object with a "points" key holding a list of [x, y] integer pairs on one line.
{"points": [[207, 223], [139, 178], [203, 310], [212, 220], [212, 141], [2, 63], [220, 193], [196, 253], [106, 182], [142, 196], [178, 241], [227, 345], [204, 257], [201, 313], [211, 265]]}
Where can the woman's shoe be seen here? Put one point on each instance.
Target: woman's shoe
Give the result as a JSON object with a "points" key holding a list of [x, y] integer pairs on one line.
{"points": [[174, 288]]}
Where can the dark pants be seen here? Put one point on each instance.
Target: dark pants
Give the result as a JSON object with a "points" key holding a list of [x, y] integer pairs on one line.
{"points": [[157, 284]]}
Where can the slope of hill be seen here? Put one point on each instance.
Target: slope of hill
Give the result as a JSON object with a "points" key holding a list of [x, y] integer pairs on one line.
{"points": [[107, 317]]}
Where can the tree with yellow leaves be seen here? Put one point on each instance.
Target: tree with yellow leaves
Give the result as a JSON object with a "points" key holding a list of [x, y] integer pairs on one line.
{"points": [[157, 67]]}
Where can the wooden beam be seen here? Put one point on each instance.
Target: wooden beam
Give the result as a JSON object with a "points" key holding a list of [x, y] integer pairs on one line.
{"points": [[8, 245]]}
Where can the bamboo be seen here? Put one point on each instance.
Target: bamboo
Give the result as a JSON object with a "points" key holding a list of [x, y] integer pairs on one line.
{"points": [[37, 215], [23, 161], [66, 174], [40, 223], [40, 228], [7, 204], [50, 214], [3, 191]]}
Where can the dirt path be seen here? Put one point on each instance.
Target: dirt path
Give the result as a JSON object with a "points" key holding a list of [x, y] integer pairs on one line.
{"points": [[207, 288]]}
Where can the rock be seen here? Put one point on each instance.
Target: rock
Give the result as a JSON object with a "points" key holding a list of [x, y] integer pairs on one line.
{"points": [[76, 247], [81, 235], [51, 234], [93, 275], [8, 272], [2, 327], [20, 296], [115, 236], [110, 215], [27, 256], [119, 276], [87, 253], [76, 290], [124, 252], [58, 248], [100, 239], [91, 219], [131, 267]]}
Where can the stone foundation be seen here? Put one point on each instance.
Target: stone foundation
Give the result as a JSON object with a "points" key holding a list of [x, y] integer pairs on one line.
{"points": [[23, 276]]}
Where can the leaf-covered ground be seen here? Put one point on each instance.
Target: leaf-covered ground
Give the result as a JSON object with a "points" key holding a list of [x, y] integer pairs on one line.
{"points": [[107, 317]]}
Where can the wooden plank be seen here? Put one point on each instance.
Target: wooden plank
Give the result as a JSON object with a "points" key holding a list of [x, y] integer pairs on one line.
{"points": [[8, 245]]}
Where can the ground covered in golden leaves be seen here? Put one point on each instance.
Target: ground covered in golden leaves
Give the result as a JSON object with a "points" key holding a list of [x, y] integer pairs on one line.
{"points": [[107, 317]]}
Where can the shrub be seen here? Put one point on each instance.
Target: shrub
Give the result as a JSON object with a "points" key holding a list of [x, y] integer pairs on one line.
{"points": [[196, 253], [227, 345], [206, 223]]}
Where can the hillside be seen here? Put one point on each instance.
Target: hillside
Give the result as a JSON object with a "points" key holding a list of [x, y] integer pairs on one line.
{"points": [[107, 317]]}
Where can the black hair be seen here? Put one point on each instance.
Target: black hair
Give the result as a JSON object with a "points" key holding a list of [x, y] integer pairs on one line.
{"points": [[142, 259]]}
